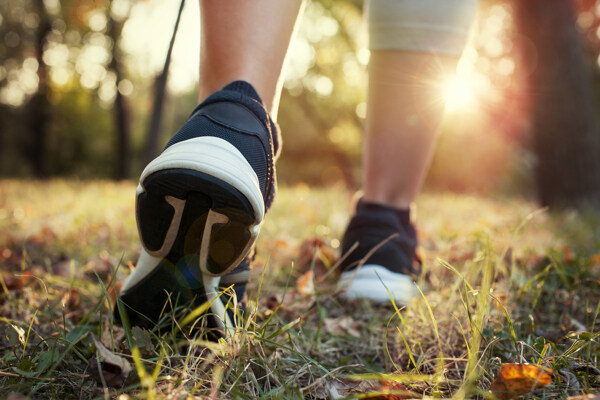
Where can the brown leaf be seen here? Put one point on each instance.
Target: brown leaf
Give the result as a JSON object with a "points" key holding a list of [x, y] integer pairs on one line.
{"points": [[17, 396], [111, 337], [394, 391], [16, 336], [101, 265], [272, 302], [568, 254], [585, 397], [113, 370], [339, 388], [342, 388], [16, 281], [70, 299], [315, 250], [516, 379], [305, 283], [345, 325], [113, 291], [595, 261], [291, 305], [143, 340]]}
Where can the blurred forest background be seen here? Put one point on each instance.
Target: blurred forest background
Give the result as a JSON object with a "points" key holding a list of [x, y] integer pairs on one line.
{"points": [[94, 88]]}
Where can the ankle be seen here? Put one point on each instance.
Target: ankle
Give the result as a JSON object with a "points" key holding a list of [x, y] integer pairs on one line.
{"points": [[403, 215]]}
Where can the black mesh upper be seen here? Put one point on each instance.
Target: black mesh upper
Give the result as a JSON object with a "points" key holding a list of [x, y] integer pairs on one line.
{"points": [[372, 225], [250, 146], [259, 147]]}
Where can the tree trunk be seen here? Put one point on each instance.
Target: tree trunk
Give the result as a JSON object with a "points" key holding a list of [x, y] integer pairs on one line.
{"points": [[160, 86], [123, 127], [39, 107], [565, 133], [121, 109]]}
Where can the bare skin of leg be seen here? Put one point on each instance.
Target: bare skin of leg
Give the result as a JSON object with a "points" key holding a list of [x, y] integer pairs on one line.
{"points": [[246, 40], [404, 108]]}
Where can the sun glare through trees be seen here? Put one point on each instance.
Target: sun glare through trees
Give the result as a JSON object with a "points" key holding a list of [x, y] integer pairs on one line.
{"points": [[459, 94]]}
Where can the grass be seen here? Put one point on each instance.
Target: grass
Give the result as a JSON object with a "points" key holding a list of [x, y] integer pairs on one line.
{"points": [[504, 282]]}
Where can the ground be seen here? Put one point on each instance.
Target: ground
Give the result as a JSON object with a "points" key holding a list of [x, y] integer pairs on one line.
{"points": [[510, 291]]}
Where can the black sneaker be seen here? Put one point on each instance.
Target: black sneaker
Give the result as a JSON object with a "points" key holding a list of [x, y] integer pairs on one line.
{"points": [[199, 208], [379, 255]]}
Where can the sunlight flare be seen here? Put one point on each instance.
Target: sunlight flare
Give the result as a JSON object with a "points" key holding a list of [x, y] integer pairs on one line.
{"points": [[460, 93]]}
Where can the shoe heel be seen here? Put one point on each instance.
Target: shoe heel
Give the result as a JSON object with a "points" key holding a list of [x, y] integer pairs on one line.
{"points": [[184, 213]]}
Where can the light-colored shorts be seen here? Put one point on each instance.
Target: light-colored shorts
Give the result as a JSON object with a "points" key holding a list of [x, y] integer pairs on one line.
{"points": [[430, 26]]}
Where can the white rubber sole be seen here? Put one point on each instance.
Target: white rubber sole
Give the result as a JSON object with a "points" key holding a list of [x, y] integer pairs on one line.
{"points": [[377, 283]]}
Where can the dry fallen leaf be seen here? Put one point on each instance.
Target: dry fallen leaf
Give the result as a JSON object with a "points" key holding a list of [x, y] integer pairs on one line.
{"points": [[339, 388], [16, 281], [143, 340], [70, 300], [345, 325], [17, 396], [272, 302], [595, 261], [585, 397], [516, 379], [110, 338], [305, 283], [113, 292], [16, 336], [314, 254], [113, 370], [394, 391], [291, 305], [567, 254]]}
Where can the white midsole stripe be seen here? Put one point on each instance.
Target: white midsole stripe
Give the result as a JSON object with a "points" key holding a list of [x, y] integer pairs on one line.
{"points": [[211, 287], [215, 157], [145, 265]]}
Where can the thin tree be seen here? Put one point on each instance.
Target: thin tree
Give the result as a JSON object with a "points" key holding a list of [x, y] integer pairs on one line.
{"points": [[160, 86], [39, 107], [121, 107], [566, 139]]}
